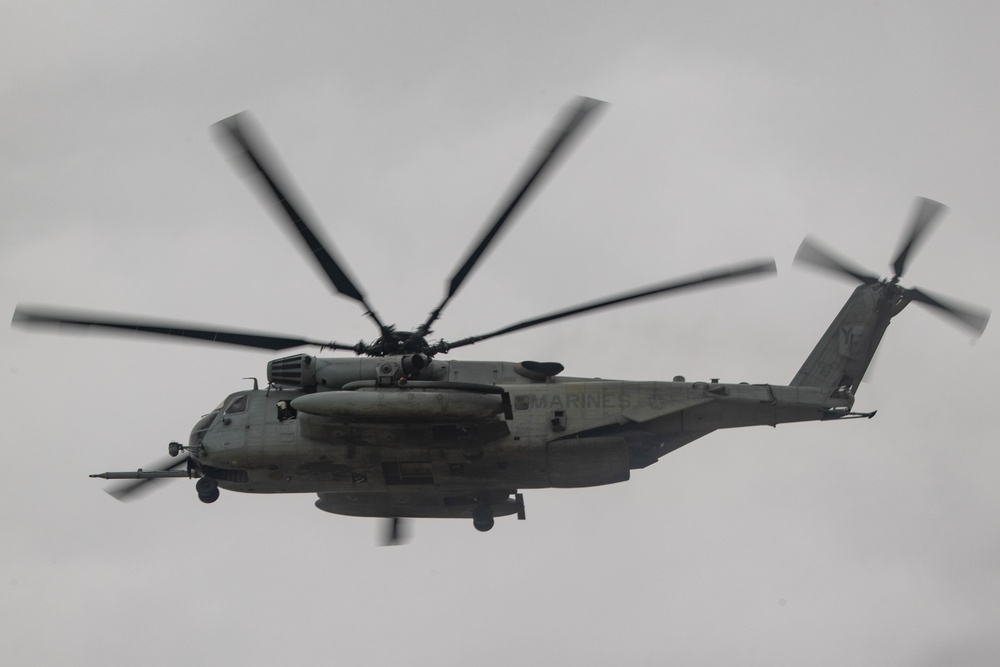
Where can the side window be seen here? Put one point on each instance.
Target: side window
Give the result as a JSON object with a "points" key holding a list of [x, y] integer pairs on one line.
{"points": [[238, 404], [286, 411]]}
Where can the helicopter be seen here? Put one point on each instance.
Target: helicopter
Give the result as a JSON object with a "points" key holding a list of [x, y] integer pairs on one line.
{"points": [[398, 431]]}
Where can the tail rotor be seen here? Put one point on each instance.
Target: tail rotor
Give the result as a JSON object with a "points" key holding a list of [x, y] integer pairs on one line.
{"points": [[926, 213]]}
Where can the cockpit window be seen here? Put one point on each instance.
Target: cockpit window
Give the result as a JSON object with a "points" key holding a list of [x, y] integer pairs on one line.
{"points": [[237, 404], [199, 430]]}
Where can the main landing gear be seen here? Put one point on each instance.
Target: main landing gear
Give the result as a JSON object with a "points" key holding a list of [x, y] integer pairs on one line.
{"points": [[482, 517], [208, 489], [483, 514]]}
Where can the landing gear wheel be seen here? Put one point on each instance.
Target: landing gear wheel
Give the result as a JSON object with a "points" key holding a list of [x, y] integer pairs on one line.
{"points": [[482, 518], [210, 497], [208, 489]]}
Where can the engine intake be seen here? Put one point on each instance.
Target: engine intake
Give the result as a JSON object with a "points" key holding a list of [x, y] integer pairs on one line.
{"points": [[296, 371]]}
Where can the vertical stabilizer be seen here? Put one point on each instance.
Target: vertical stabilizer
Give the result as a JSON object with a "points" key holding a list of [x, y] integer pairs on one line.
{"points": [[840, 359]]}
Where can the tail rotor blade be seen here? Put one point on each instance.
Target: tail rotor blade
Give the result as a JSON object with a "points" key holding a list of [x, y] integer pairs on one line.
{"points": [[970, 317], [927, 211], [811, 252]]}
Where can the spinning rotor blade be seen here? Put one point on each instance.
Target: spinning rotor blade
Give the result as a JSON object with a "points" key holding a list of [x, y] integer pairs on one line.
{"points": [[926, 212], [725, 273], [810, 252], [395, 532], [238, 129], [35, 317], [134, 488], [968, 316], [560, 139]]}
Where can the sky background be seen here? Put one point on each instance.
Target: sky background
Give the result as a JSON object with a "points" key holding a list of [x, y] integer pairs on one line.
{"points": [[734, 130]]}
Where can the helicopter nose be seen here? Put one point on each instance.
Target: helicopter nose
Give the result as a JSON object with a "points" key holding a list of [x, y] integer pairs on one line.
{"points": [[200, 429]]}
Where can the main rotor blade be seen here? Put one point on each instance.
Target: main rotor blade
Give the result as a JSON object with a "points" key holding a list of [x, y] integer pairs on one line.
{"points": [[724, 273], [559, 139], [133, 489], [927, 211], [811, 252], [971, 317], [50, 317], [396, 532], [238, 128]]}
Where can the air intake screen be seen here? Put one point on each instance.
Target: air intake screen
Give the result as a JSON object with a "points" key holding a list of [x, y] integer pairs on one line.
{"points": [[295, 371]]}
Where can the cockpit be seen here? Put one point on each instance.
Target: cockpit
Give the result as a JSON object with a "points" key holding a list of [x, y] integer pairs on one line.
{"points": [[201, 428], [235, 404]]}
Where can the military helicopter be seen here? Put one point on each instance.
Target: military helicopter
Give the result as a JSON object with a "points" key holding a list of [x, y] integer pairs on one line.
{"points": [[396, 431]]}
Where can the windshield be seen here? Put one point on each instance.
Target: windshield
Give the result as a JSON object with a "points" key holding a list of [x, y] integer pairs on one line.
{"points": [[236, 404], [199, 430]]}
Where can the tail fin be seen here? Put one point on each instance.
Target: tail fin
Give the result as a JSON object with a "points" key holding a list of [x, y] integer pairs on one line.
{"points": [[841, 358]]}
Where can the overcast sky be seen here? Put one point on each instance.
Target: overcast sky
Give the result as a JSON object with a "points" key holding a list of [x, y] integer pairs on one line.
{"points": [[734, 130]]}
